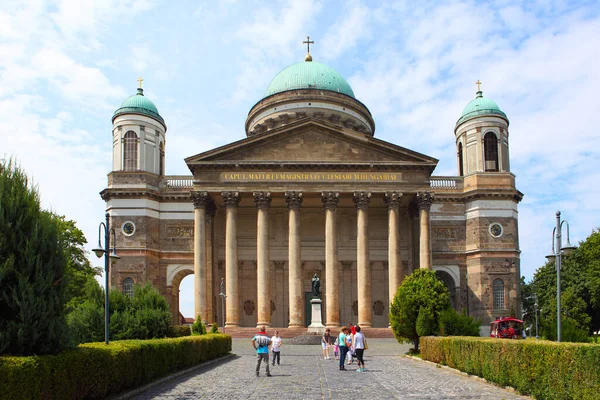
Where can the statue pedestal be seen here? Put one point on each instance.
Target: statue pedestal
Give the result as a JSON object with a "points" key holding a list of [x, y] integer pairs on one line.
{"points": [[316, 323]]}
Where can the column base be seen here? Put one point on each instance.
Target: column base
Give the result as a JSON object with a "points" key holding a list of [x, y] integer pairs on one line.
{"points": [[296, 326], [265, 324], [365, 324], [231, 325]]}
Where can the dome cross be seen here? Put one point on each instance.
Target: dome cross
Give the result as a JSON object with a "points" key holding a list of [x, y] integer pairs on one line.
{"points": [[308, 42], [140, 80], [478, 85]]}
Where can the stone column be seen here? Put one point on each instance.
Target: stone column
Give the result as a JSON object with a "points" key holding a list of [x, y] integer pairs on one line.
{"points": [[211, 210], [263, 292], [395, 276], [200, 200], [424, 200], [363, 265], [294, 201], [332, 284], [413, 214], [232, 302]]}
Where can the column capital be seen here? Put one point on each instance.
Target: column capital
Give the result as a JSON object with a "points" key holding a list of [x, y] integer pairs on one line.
{"points": [[294, 200], [424, 200], [262, 199], [392, 199], [231, 199], [200, 199], [362, 200], [330, 199]]}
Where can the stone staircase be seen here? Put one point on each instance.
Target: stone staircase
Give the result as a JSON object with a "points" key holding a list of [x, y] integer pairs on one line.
{"points": [[288, 333]]}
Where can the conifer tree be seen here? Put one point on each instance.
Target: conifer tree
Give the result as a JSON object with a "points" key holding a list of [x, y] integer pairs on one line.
{"points": [[32, 265]]}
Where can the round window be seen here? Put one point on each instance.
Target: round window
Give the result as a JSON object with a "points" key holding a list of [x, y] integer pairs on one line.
{"points": [[496, 230], [128, 228]]}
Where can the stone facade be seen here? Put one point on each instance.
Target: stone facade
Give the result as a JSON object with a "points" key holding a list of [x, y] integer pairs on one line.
{"points": [[309, 195]]}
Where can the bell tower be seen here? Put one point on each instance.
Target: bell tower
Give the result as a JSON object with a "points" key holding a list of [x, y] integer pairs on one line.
{"points": [[138, 136], [482, 137]]}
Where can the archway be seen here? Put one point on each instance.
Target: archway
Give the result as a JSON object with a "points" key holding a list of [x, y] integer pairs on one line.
{"points": [[175, 275], [450, 284]]}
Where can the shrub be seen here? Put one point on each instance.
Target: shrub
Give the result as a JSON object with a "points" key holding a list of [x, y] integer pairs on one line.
{"points": [[421, 289], [426, 323], [543, 369], [198, 327], [179, 331], [214, 328], [95, 370], [453, 323]]}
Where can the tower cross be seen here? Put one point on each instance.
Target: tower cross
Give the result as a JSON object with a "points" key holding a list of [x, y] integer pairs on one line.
{"points": [[140, 80], [308, 42], [478, 85]]}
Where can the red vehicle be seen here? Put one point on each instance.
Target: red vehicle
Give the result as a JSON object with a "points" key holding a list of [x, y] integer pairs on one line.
{"points": [[506, 328]]}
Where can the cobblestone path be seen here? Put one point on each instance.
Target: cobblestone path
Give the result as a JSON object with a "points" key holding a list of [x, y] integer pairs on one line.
{"points": [[304, 374]]}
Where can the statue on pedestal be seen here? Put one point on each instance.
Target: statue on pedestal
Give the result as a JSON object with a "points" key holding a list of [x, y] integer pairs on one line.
{"points": [[316, 285]]}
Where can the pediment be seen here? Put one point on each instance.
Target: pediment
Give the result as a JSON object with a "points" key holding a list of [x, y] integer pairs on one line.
{"points": [[312, 142]]}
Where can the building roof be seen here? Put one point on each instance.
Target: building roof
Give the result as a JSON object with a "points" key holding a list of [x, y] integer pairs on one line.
{"points": [[139, 104], [309, 75], [480, 106]]}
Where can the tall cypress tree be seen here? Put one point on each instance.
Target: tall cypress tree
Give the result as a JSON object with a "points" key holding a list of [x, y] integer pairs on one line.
{"points": [[32, 266]]}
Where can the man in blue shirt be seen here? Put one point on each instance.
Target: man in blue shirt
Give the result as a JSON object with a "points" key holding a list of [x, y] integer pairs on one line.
{"points": [[261, 342]]}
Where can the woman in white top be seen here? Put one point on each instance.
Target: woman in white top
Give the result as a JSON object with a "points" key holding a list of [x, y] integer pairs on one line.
{"points": [[358, 343]]}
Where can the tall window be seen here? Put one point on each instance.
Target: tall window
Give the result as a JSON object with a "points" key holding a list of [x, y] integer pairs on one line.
{"points": [[128, 287], [130, 151], [161, 160], [460, 160], [490, 144], [498, 290]]}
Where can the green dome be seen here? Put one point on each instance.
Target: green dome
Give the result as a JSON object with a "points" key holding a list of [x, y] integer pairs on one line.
{"points": [[139, 104], [309, 75], [480, 106]]}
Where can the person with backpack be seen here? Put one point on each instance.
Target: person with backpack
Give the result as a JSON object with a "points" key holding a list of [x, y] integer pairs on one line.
{"points": [[261, 342]]}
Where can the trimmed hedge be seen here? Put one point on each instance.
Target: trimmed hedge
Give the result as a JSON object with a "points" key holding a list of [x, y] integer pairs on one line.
{"points": [[179, 331], [544, 369], [95, 370]]}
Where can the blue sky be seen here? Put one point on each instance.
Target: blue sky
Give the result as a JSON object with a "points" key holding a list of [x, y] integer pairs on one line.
{"points": [[65, 66]]}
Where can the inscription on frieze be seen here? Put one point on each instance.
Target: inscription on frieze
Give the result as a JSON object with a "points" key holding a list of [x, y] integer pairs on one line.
{"points": [[445, 233], [310, 177], [180, 232]]}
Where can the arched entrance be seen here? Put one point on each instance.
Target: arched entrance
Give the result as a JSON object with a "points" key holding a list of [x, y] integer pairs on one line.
{"points": [[175, 274], [450, 284]]}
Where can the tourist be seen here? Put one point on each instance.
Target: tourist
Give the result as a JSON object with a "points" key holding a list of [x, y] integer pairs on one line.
{"points": [[276, 347], [343, 347], [359, 345], [336, 348], [261, 342], [349, 348], [326, 343]]}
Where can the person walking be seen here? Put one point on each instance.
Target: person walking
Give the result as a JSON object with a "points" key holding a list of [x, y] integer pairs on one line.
{"points": [[343, 347], [359, 344], [326, 343], [349, 346], [276, 347], [261, 342]]}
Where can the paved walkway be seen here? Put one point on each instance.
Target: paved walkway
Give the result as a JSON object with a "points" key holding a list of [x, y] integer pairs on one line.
{"points": [[305, 375]]}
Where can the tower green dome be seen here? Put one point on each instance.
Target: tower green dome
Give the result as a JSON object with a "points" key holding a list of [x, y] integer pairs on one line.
{"points": [[139, 104], [480, 106], [309, 75]]}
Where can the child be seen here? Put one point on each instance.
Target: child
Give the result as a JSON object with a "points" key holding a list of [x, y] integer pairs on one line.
{"points": [[336, 348]]}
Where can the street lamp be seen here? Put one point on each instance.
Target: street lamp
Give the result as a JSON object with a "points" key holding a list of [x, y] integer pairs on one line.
{"points": [[556, 256], [223, 296], [536, 319], [112, 257]]}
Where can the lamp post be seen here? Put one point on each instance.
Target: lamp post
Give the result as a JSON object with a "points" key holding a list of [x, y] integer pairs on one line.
{"points": [[556, 256], [223, 296], [536, 318], [104, 251]]}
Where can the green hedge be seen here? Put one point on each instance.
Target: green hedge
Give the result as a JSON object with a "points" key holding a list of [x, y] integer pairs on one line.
{"points": [[179, 331], [544, 369], [95, 370]]}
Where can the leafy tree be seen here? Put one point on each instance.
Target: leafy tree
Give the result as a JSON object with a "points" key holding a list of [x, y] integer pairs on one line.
{"points": [[426, 322], [214, 328], [453, 323], [422, 289], [32, 270], [79, 271]]}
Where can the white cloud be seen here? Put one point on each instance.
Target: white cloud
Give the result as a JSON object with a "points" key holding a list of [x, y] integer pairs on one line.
{"points": [[352, 27]]}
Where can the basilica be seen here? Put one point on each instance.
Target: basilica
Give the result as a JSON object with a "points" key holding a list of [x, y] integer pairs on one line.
{"points": [[311, 190]]}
